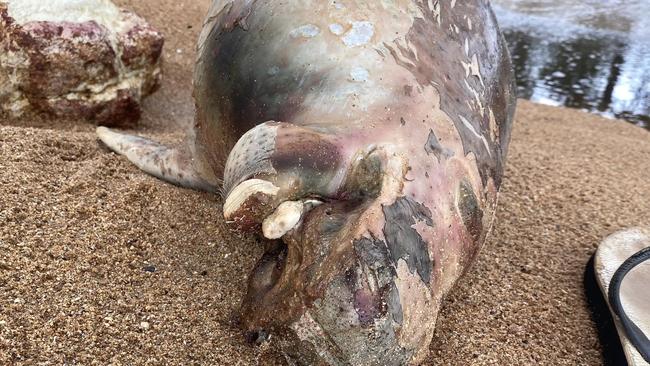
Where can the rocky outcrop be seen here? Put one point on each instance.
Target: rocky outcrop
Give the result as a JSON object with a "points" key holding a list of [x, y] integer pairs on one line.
{"points": [[83, 59]]}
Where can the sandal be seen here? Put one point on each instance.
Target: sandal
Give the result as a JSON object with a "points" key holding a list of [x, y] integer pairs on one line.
{"points": [[622, 268]]}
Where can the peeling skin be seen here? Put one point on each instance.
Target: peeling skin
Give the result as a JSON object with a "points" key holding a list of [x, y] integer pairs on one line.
{"points": [[472, 68], [433, 146], [401, 131], [359, 74], [360, 34], [404, 242], [337, 29], [306, 31]]}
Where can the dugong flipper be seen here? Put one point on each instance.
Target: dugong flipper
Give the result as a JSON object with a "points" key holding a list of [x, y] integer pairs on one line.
{"points": [[175, 165]]}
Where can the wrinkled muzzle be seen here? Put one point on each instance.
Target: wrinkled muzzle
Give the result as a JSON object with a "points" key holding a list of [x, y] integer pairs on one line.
{"points": [[331, 288]]}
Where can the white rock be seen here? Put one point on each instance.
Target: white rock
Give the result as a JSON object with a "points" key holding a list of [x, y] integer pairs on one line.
{"points": [[76, 59]]}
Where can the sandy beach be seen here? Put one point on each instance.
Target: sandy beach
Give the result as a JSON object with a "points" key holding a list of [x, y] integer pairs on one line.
{"points": [[102, 264]]}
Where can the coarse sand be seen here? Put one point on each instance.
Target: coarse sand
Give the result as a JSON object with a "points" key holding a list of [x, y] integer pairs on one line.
{"points": [[100, 263]]}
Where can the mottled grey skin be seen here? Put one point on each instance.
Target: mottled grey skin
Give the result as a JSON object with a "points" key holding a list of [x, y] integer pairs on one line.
{"points": [[397, 115]]}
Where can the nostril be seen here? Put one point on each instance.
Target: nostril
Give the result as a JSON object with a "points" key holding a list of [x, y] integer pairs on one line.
{"points": [[257, 337], [269, 268]]}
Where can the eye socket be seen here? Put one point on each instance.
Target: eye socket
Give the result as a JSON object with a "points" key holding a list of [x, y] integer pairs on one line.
{"points": [[366, 178]]}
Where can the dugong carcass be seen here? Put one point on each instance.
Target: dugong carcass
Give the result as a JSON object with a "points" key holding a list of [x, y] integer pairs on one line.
{"points": [[366, 140]]}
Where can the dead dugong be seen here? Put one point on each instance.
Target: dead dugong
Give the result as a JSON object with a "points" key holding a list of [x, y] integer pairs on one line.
{"points": [[370, 136]]}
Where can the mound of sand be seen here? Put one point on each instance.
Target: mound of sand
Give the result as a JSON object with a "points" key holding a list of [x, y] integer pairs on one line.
{"points": [[100, 262]]}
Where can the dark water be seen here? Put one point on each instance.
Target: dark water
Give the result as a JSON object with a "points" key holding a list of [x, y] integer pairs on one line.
{"points": [[591, 55]]}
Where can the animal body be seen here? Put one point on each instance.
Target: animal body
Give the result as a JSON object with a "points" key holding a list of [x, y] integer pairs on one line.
{"points": [[366, 140]]}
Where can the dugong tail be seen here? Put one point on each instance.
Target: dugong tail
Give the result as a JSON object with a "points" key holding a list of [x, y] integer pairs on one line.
{"points": [[173, 165]]}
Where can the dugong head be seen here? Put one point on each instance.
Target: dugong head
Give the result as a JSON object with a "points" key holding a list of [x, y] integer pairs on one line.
{"points": [[356, 263]]}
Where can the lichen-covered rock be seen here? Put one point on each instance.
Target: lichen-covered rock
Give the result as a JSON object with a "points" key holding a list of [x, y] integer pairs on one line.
{"points": [[76, 59]]}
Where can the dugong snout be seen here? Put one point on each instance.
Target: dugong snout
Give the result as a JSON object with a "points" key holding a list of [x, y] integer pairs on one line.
{"points": [[333, 286]]}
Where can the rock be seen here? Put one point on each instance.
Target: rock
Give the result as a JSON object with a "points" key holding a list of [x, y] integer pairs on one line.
{"points": [[83, 59]]}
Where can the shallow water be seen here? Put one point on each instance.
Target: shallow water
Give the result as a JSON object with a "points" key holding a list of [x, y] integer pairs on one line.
{"points": [[592, 54]]}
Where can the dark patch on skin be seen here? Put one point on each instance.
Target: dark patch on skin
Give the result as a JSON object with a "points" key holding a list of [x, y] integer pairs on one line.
{"points": [[390, 294], [439, 63], [402, 121], [332, 224], [368, 306], [379, 273], [374, 254], [371, 306], [403, 241], [234, 91], [432, 146], [470, 210]]}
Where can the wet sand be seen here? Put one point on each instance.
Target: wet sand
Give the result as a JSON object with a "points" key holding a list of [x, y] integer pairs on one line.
{"points": [[100, 263]]}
